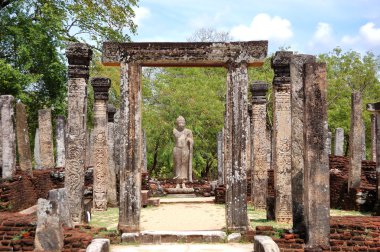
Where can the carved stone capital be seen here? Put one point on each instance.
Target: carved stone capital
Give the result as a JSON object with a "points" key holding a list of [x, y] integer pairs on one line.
{"points": [[373, 107], [259, 90], [281, 67], [79, 56], [101, 86], [111, 110]]}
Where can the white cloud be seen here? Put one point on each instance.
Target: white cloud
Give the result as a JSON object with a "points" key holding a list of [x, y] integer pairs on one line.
{"points": [[323, 38], [368, 37], [140, 14], [264, 27], [370, 33]]}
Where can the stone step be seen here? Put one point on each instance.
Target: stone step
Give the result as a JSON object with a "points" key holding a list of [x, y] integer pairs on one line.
{"points": [[158, 237], [187, 200]]}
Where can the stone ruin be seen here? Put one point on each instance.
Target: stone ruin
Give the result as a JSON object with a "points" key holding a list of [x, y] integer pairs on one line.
{"points": [[295, 151]]}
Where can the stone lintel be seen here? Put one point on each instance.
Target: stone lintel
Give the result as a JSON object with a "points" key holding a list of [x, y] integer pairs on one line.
{"points": [[79, 56], [373, 107], [101, 86], [198, 54], [259, 90], [280, 64], [111, 110]]}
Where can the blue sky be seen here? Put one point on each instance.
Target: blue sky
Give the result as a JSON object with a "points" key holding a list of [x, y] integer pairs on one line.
{"points": [[306, 26]]}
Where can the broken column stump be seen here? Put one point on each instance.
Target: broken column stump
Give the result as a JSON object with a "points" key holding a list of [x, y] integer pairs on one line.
{"points": [[8, 141], [356, 133], [46, 139], [60, 140], [23, 144]]}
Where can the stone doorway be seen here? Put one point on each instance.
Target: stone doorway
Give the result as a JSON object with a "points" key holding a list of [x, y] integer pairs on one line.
{"points": [[236, 57]]}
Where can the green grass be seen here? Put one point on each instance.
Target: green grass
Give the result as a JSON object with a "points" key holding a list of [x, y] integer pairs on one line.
{"points": [[337, 212], [107, 219]]}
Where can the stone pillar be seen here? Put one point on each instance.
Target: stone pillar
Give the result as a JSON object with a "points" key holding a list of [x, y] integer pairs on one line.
{"points": [[117, 142], [317, 176], [101, 176], [328, 142], [236, 128], [375, 108], [143, 150], [8, 136], [46, 138], [89, 148], [364, 148], [60, 140], [23, 144], [339, 142], [36, 151], [130, 169], [282, 136], [111, 190], [79, 57], [220, 158], [260, 145], [356, 132], [1, 139], [373, 137], [298, 143]]}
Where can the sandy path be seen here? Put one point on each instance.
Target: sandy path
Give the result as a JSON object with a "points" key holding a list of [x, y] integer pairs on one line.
{"points": [[183, 216]]}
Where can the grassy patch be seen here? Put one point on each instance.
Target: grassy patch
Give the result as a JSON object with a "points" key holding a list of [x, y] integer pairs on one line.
{"points": [[108, 219], [337, 212]]}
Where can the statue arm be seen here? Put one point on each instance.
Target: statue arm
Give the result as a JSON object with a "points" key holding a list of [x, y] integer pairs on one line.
{"points": [[190, 139]]}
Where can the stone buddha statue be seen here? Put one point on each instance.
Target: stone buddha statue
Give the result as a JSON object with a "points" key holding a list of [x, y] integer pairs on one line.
{"points": [[183, 150]]}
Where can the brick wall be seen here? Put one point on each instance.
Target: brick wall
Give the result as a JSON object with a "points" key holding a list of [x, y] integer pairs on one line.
{"points": [[23, 190]]}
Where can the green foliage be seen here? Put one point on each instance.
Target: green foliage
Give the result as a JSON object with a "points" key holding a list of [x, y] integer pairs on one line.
{"points": [[33, 36], [197, 94], [347, 72]]}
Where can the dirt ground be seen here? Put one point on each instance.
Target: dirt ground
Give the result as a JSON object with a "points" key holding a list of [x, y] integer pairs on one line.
{"points": [[183, 216]]}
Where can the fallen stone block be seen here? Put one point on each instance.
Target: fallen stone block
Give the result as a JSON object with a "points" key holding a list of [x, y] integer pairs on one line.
{"points": [[264, 244], [99, 245], [234, 237]]}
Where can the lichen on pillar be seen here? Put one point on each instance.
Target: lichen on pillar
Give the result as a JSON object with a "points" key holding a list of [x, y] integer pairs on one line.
{"points": [[79, 56]]}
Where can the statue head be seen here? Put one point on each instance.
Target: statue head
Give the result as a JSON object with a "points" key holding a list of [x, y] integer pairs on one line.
{"points": [[180, 123]]}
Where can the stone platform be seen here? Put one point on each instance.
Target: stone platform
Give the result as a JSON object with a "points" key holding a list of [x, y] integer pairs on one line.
{"points": [[177, 200], [237, 247]]}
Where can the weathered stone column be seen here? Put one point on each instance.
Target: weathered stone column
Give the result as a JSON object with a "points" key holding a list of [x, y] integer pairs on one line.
{"points": [[8, 136], [1, 139], [375, 109], [328, 142], [364, 148], [36, 150], [101, 176], [317, 176], [236, 129], [220, 158], [373, 137], [143, 150], [60, 122], [130, 169], [298, 143], [23, 144], [117, 143], [111, 190], [46, 138], [282, 136], [79, 57], [260, 145], [356, 132], [339, 142]]}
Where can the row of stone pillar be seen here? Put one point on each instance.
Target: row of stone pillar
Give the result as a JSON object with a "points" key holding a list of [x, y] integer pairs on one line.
{"points": [[15, 129]]}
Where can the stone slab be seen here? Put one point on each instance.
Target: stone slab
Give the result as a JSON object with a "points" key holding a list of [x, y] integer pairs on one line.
{"points": [[233, 247], [99, 245], [187, 200], [182, 236], [264, 244]]}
